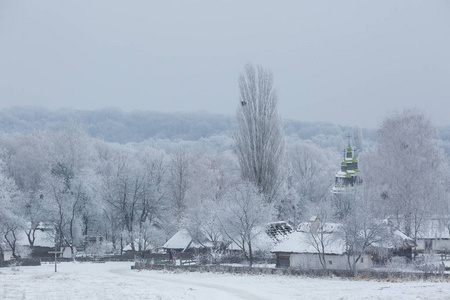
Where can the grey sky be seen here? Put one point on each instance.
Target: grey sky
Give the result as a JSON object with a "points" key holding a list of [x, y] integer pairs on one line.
{"points": [[346, 62]]}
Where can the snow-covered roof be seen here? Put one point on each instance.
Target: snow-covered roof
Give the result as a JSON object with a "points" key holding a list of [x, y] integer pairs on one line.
{"points": [[301, 242], [400, 235], [304, 227], [393, 238], [434, 229], [340, 189], [42, 238], [313, 218], [136, 246], [279, 230], [4, 246], [327, 227], [261, 241], [402, 239], [181, 240], [206, 243]]}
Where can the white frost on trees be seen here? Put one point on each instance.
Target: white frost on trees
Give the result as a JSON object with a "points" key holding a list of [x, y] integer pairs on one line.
{"points": [[244, 216], [310, 172], [259, 139], [11, 223], [405, 176]]}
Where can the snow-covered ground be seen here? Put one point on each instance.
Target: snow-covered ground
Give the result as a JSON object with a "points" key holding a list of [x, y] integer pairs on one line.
{"points": [[116, 280]]}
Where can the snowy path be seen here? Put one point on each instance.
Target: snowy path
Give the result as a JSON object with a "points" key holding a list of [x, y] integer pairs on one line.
{"points": [[115, 280], [219, 291]]}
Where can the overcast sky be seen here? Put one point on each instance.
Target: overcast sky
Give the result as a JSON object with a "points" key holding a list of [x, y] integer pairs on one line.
{"points": [[346, 62]]}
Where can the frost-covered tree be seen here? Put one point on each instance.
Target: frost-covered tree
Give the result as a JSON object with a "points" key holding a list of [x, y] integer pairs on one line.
{"points": [[363, 230], [63, 203], [258, 139], [179, 183], [213, 174], [121, 190], [310, 174], [405, 175], [244, 216], [11, 223], [151, 202], [69, 183], [335, 142], [132, 188], [29, 159], [357, 138], [320, 237], [204, 226]]}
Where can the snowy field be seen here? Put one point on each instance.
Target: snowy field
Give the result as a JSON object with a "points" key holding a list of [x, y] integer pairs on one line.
{"points": [[116, 280]]}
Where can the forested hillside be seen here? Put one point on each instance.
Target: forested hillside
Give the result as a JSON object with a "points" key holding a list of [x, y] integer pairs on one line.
{"points": [[113, 125]]}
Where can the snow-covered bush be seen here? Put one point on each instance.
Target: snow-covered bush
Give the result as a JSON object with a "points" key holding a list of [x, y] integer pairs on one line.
{"points": [[98, 249], [398, 264], [429, 264]]}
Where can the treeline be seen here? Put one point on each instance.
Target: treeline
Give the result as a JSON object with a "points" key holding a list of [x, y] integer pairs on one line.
{"points": [[114, 125]]}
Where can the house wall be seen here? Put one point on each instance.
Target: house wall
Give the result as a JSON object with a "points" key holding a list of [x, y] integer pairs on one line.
{"points": [[438, 245], [283, 260], [42, 252], [7, 255], [67, 252], [311, 261]]}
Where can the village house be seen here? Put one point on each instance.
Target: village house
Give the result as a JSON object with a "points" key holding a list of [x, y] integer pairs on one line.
{"points": [[434, 237], [43, 244], [299, 249], [264, 239], [279, 231], [303, 248], [146, 248], [6, 253], [181, 241]]}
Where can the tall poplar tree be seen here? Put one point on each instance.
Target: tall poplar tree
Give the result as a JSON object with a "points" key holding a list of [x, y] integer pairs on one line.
{"points": [[259, 140]]}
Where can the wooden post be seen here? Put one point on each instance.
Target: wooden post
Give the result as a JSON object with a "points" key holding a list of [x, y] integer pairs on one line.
{"points": [[55, 259], [56, 252]]}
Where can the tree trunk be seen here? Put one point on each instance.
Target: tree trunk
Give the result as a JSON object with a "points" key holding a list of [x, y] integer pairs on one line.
{"points": [[250, 252]]}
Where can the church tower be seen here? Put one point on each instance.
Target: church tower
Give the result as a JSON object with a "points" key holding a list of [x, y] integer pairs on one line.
{"points": [[348, 176]]}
